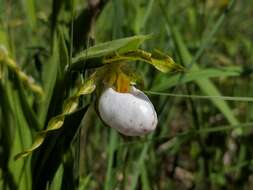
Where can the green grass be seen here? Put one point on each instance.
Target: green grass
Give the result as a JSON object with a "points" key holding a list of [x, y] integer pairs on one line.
{"points": [[203, 138]]}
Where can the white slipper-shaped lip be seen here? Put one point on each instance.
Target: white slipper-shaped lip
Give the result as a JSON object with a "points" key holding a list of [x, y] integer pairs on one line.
{"points": [[132, 113]]}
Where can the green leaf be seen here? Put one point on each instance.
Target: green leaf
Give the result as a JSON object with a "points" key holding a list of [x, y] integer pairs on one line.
{"points": [[104, 49], [109, 180], [56, 8], [54, 149], [139, 163], [205, 85], [29, 114], [3, 39], [160, 61], [228, 98], [22, 138], [125, 49], [144, 177], [29, 9], [164, 82], [57, 181], [49, 76], [63, 52], [84, 182]]}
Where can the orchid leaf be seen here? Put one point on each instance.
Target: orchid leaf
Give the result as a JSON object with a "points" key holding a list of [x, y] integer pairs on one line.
{"points": [[104, 49], [161, 62], [125, 49]]}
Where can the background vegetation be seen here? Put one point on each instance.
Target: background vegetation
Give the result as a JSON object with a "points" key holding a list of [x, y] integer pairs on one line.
{"points": [[204, 136]]}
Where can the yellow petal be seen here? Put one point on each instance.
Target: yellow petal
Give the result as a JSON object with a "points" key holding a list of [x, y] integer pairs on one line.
{"points": [[123, 83]]}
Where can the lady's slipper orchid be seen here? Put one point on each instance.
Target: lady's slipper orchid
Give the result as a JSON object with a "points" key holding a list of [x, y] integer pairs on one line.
{"points": [[130, 113]]}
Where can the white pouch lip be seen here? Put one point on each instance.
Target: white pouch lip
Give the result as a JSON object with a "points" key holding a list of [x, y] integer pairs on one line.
{"points": [[131, 114]]}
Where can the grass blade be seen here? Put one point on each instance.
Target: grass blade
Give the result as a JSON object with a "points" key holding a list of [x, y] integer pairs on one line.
{"points": [[164, 82], [205, 85], [227, 98]]}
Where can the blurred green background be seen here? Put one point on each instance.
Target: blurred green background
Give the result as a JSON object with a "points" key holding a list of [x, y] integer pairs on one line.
{"points": [[204, 136]]}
